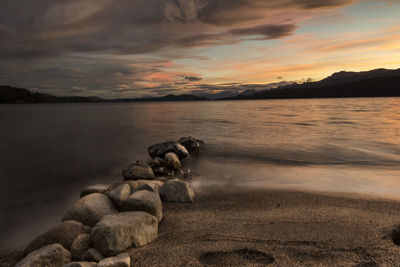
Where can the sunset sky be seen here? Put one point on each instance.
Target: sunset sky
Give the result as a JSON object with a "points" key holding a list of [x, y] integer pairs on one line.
{"points": [[137, 48]]}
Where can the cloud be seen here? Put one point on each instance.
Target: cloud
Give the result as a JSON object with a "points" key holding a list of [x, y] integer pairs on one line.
{"points": [[192, 78], [267, 31], [119, 47]]}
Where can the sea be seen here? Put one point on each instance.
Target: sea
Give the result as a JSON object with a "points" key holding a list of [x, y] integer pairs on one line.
{"points": [[49, 152]]}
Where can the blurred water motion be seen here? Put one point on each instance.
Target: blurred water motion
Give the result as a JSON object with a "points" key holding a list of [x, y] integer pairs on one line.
{"points": [[49, 152]]}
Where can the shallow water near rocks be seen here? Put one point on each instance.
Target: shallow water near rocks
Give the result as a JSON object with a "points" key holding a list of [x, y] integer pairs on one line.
{"points": [[50, 152]]}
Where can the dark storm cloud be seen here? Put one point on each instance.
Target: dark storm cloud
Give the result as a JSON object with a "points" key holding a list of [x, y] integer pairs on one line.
{"points": [[40, 40]]}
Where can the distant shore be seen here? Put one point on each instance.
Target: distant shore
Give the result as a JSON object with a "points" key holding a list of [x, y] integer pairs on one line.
{"points": [[276, 227]]}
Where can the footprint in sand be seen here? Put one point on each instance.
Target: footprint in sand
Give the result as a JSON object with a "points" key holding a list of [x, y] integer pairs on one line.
{"points": [[239, 257]]}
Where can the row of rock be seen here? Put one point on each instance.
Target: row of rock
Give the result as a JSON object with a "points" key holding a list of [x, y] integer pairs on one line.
{"points": [[108, 219]]}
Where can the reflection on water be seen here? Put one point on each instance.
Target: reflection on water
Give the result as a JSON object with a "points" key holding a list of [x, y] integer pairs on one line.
{"points": [[51, 151]]}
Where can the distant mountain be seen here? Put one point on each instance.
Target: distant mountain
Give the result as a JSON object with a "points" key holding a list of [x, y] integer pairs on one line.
{"points": [[375, 83], [183, 97], [10, 94]]}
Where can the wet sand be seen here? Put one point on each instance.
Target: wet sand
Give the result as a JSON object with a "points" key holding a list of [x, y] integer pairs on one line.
{"points": [[273, 228]]}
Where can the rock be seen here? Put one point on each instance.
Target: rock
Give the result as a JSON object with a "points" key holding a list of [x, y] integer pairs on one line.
{"points": [[114, 185], [143, 200], [120, 231], [120, 193], [63, 233], [155, 184], [51, 255], [191, 144], [155, 163], [148, 188], [176, 191], [172, 161], [137, 171], [90, 209], [81, 264], [133, 184], [97, 188], [159, 150], [80, 245], [92, 255], [395, 235], [122, 260], [164, 171]]}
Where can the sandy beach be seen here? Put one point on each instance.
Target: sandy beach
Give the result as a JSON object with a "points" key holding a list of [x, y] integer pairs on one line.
{"points": [[274, 228], [280, 228]]}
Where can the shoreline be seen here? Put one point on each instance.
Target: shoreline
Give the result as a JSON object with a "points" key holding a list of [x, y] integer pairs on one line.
{"points": [[291, 227]]}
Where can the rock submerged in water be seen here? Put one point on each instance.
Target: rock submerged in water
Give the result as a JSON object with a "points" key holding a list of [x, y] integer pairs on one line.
{"points": [[176, 191], [137, 171], [159, 150], [119, 231], [122, 260], [90, 209], [64, 233], [51, 255], [143, 200]]}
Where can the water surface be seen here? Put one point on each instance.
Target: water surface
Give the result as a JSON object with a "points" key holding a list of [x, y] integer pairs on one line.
{"points": [[50, 151]]}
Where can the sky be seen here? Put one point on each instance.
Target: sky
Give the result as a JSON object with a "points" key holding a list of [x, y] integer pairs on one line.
{"points": [[142, 48]]}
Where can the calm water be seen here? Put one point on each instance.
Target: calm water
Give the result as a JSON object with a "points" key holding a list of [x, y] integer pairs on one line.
{"points": [[49, 152]]}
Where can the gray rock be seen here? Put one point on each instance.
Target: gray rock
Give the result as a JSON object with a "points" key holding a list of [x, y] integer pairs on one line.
{"points": [[176, 191], [80, 245], [90, 209], [120, 193], [137, 171], [172, 161], [143, 200], [120, 231], [63, 233], [155, 184], [92, 255], [51, 255], [97, 188], [81, 264], [122, 260], [159, 150]]}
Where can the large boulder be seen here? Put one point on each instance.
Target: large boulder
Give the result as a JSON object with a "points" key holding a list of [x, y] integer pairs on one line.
{"points": [[137, 171], [122, 260], [97, 188], [120, 193], [143, 200], [120, 231], [172, 161], [51, 255], [176, 191], [192, 144], [80, 245], [159, 150], [90, 209], [63, 233], [81, 264]]}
